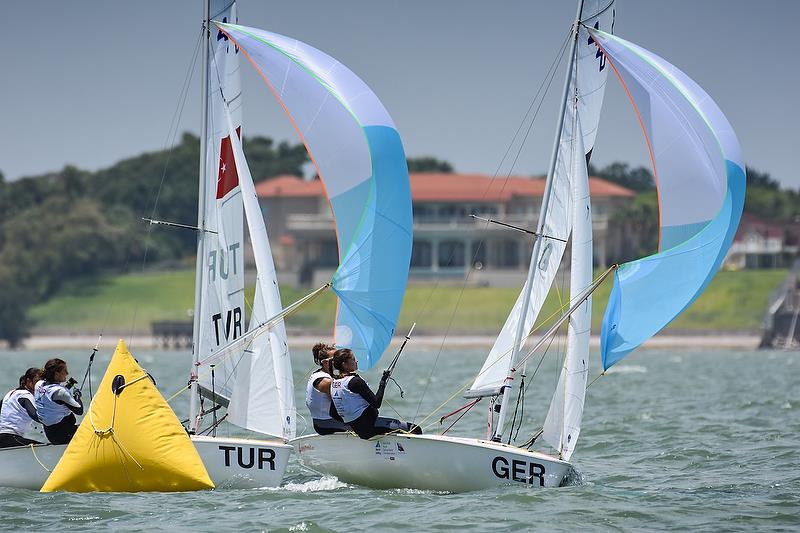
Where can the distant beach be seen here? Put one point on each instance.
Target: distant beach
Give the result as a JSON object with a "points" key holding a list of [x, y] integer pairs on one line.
{"points": [[720, 340]]}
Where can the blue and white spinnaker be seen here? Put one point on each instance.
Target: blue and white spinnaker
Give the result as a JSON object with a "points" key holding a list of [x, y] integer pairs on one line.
{"points": [[357, 152], [700, 176]]}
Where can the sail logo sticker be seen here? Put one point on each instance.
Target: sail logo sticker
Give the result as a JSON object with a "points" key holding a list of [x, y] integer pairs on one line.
{"points": [[389, 450], [222, 37], [599, 53], [518, 470], [227, 175]]}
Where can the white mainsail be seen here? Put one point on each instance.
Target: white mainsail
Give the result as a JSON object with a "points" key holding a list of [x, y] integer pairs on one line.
{"points": [[556, 219], [221, 308], [563, 422], [251, 372]]}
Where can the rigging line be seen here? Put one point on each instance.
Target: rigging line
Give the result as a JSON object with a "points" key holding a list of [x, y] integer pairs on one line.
{"points": [[172, 132], [468, 408], [546, 83], [533, 376], [552, 66], [260, 329], [551, 71], [496, 173], [521, 413], [551, 338], [520, 398], [598, 376], [578, 301]]}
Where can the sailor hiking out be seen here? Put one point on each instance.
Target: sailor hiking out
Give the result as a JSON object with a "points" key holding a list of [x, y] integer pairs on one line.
{"points": [[318, 392], [357, 405], [56, 405], [18, 411]]}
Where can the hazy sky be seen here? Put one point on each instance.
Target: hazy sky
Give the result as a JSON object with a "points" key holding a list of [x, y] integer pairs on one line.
{"points": [[91, 82]]}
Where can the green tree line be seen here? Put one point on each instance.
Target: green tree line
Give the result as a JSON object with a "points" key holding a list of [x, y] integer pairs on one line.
{"points": [[72, 223], [638, 222]]}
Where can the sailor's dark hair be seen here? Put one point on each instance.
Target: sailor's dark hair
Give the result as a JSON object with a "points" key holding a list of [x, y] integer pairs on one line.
{"points": [[340, 356], [52, 367], [320, 351], [32, 373]]}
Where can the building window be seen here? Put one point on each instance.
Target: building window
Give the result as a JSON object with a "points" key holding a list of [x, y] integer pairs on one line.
{"points": [[328, 254], [478, 254], [451, 254], [422, 212], [484, 209], [452, 211], [509, 254], [422, 254]]}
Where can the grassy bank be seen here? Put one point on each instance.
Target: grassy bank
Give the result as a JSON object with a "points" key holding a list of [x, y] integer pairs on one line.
{"points": [[735, 301]]}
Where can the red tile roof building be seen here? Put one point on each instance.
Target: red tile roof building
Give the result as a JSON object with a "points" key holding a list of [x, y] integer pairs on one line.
{"points": [[446, 239], [761, 243]]}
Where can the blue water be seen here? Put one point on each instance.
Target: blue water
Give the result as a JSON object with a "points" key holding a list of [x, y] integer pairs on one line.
{"points": [[671, 440]]}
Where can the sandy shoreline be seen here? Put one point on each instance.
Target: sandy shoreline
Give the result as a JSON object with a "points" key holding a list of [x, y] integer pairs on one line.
{"points": [[108, 342]]}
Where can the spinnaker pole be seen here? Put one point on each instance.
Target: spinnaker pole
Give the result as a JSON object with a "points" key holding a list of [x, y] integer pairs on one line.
{"points": [[537, 245], [194, 396]]}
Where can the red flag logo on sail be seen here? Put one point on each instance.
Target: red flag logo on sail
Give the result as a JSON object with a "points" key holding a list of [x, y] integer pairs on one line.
{"points": [[227, 176]]}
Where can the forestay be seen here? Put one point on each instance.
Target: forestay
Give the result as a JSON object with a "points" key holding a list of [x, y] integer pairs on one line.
{"points": [[357, 153], [587, 85], [700, 176]]}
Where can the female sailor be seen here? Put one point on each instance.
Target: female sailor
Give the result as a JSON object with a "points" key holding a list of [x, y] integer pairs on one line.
{"points": [[55, 404], [354, 401], [318, 392], [18, 412]]}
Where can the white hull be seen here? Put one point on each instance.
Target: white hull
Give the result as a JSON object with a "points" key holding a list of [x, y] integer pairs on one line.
{"points": [[429, 462], [231, 462]]}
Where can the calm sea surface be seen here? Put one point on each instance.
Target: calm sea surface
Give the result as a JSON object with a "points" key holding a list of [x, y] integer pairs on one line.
{"points": [[701, 440]]}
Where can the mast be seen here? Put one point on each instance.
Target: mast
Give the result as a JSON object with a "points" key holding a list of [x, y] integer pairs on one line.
{"points": [[194, 415], [537, 245]]}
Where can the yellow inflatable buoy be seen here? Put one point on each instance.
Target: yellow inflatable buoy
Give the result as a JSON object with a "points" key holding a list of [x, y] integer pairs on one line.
{"points": [[129, 441]]}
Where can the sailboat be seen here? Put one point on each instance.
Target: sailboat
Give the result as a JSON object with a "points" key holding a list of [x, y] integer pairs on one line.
{"points": [[246, 368], [699, 171]]}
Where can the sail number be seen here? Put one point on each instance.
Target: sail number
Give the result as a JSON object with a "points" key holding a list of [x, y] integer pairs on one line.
{"points": [[224, 262], [518, 470], [250, 457], [231, 325]]}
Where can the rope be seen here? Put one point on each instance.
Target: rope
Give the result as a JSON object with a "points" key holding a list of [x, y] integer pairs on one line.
{"points": [[594, 285], [110, 430], [33, 450], [468, 406], [182, 389]]}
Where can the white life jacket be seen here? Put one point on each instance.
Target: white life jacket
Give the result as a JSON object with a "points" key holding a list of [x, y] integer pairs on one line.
{"points": [[318, 402], [50, 412], [348, 404], [13, 417]]}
